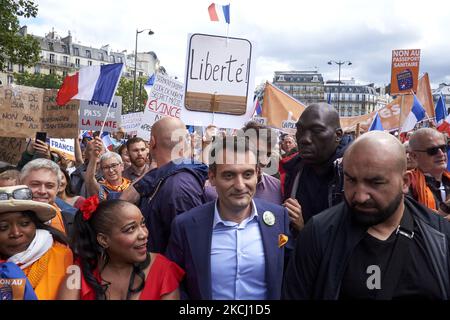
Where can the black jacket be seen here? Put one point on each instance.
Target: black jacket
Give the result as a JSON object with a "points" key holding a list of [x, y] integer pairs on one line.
{"points": [[325, 245]]}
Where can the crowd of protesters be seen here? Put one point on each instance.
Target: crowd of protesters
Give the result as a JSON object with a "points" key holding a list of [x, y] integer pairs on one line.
{"points": [[257, 215]]}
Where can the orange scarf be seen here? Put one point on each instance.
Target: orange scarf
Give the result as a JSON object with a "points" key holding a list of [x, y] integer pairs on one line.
{"points": [[420, 189], [119, 188], [57, 221]]}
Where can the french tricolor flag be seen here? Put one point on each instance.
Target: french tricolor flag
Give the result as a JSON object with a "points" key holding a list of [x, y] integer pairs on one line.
{"points": [[107, 142], [219, 13], [94, 83], [417, 114]]}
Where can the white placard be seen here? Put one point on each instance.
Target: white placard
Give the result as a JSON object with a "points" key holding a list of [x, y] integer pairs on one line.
{"points": [[131, 122], [219, 77], [93, 113], [165, 99]]}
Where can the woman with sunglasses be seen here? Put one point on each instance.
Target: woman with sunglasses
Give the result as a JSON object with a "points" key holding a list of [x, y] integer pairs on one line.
{"points": [[38, 249], [110, 246]]}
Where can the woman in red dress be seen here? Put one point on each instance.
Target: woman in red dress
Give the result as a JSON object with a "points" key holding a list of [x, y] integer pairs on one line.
{"points": [[110, 245]]}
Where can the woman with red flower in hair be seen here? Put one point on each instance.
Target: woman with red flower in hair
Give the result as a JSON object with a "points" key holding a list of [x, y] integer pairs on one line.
{"points": [[110, 247]]}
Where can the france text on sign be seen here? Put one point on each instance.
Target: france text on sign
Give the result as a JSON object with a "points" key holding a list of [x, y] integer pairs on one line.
{"points": [[219, 81], [165, 99], [25, 111], [64, 146], [92, 115], [405, 71]]}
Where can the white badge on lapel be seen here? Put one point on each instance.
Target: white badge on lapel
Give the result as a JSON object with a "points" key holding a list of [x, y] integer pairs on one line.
{"points": [[268, 218]]}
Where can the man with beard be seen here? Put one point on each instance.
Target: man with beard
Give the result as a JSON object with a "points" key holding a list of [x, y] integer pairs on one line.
{"points": [[138, 153], [377, 244], [314, 176]]}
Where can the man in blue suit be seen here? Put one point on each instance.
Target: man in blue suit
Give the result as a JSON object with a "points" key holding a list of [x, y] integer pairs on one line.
{"points": [[235, 247]]}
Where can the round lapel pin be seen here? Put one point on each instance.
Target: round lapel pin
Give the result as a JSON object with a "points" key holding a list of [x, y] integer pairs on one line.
{"points": [[268, 218]]}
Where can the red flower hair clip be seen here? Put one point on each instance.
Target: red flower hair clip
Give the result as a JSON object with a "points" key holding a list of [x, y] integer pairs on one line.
{"points": [[89, 206]]}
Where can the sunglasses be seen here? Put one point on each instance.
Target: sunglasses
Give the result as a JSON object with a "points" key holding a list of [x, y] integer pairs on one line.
{"points": [[18, 194], [434, 150]]}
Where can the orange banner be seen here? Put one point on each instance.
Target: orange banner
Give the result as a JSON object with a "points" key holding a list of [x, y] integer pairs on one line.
{"points": [[424, 95], [277, 105], [404, 71]]}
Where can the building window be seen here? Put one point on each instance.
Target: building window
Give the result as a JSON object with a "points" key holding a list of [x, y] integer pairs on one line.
{"points": [[52, 58], [112, 59], [65, 60], [76, 51], [141, 73], [119, 59], [100, 56], [37, 69], [64, 73], [77, 63], [89, 63], [10, 79], [64, 47], [21, 69], [88, 54], [50, 46], [52, 71], [10, 66]]}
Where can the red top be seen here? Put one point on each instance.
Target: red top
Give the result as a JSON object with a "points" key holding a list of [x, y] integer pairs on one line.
{"points": [[163, 277]]}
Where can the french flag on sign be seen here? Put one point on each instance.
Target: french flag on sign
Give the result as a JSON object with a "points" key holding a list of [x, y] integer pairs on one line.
{"points": [[94, 83], [219, 13]]}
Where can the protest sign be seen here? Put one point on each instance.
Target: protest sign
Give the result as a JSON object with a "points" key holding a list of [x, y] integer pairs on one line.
{"points": [[165, 99], [288, 126], [25, 111], [131, 122], [64, 146], [219, 81], [405, 71], [11, 149], [92, 115]]}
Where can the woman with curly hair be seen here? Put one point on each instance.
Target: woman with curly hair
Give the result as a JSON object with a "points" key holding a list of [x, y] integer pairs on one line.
{"points": [[110, 247]]}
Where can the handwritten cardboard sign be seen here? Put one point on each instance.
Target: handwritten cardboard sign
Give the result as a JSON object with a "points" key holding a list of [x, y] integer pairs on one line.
{"points": [[26, 110]]}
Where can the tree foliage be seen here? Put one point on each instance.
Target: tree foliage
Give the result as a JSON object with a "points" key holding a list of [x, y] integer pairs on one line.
{"points": [[125, 90], [45, 81], [15, 47]]}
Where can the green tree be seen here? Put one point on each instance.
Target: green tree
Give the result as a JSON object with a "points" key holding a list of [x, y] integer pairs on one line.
{"points": [[125, 90], [15, 47], [45, 81]]}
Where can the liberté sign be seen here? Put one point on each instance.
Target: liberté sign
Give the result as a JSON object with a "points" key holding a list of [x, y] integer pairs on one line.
{"points": [[219, 81]]}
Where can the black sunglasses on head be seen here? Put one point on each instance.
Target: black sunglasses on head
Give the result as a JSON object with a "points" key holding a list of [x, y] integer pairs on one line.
{"points": [[434, 150]]}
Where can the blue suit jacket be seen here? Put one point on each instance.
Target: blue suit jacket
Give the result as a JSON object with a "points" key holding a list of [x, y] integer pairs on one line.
{"points": [[190, 247]]}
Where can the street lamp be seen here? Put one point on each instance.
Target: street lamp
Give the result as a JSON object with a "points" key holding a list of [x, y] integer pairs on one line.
{"points": [[339, 63], [150, 32]]}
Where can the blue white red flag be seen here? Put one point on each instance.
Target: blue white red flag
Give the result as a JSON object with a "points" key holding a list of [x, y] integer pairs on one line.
{"points": [[417, 114], [107, 142], [94, 83], [219, 13]]}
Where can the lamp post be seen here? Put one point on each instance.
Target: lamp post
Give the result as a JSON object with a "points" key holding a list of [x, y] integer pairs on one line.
{"points": [[150, 32], [339, 63]]}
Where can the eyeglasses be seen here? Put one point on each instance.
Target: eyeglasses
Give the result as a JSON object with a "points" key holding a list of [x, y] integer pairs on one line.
{"points": [[434, 150], [18, 194], [113, 167]]}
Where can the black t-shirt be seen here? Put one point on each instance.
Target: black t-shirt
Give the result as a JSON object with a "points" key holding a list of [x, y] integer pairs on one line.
{"points": [[417, 280]]}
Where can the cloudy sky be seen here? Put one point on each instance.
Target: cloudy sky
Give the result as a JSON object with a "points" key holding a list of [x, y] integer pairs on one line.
{"points": [[287, 34]]}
